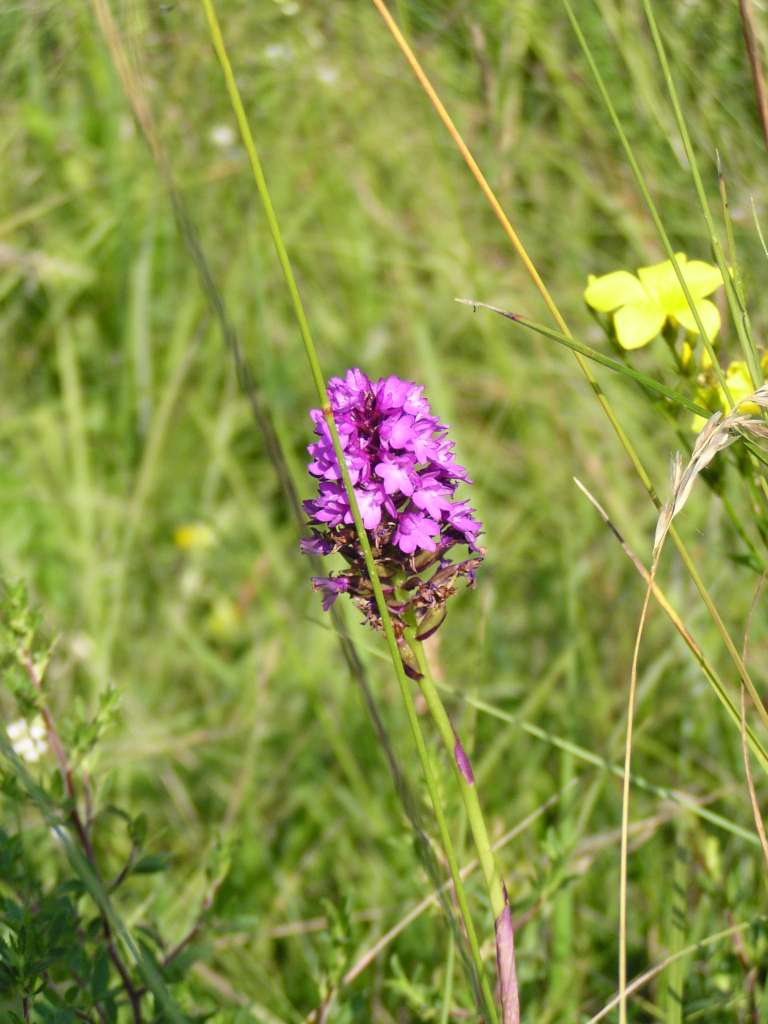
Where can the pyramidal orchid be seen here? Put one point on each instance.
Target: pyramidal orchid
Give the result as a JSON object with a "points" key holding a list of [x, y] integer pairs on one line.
{"points": [[405, 477]]}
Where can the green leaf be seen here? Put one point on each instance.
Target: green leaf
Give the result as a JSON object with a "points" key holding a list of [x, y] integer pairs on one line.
{"points": [[100, 976], [151, 863]]}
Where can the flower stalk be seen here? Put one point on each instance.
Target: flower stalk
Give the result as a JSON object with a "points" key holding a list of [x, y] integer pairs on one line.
{"points": [[464, 776], [506, 970], [353, 508]]}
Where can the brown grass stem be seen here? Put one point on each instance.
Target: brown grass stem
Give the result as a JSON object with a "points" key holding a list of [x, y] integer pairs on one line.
{"points": [[755, 63], [624, 440]]}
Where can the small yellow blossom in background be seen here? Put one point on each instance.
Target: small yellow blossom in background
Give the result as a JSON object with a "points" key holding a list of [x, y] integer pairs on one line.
{"points": [[224, 621], [193, 537], [642, 305], [28, 739]]}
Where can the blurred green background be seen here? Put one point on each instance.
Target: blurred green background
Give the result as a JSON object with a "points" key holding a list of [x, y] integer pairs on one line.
{"points": [[122, 421]]}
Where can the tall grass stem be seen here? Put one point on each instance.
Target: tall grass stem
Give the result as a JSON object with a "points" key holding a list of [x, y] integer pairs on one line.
{"points": [[319, 382], [624, 440]]}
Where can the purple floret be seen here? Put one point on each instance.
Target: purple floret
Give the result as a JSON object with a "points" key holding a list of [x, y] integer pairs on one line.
{"points": [[330, 588], [403, 469], [416, 531], [317, 544]]}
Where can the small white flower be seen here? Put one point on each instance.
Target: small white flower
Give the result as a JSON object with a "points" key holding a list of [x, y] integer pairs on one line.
{"points": [[222, 136], [28, 739], [81, 645], [327, 74], [126, 128], [191, 581], [278, 53]]}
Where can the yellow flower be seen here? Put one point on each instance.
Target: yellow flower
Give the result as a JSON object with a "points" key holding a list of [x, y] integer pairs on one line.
{"points": [[224, 621], [642, 305], [739, 385], [193, 537]]}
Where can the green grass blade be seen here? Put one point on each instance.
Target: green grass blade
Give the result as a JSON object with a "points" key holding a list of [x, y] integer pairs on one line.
{"points": [[738, 313], [425, 758], [568, 341], [643, 187], [590, 757]]}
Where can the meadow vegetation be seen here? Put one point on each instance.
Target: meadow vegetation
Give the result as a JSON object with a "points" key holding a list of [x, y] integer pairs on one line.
{"points": [[192, 672]]}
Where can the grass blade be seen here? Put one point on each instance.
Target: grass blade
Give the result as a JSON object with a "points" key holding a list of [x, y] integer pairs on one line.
{"points": [[606, 406], [568, 341], [425, 758]]}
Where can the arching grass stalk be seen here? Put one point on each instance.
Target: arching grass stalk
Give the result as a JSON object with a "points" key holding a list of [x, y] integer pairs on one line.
{"points": [[716, 435], [738, 310], [733, 296], [557, 316], [275, 449], [427, 764], [647, 197]]}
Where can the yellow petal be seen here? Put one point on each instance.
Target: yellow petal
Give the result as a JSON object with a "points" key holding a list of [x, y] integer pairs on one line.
{"points": [[740, 385], [193, 536], [708, 313], [610, 291], [702, 278], [711, 399], [638, 323], [225, 619], [660, 280], [739, 382]]}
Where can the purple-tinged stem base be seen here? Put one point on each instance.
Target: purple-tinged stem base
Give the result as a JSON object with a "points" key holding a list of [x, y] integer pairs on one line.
{"points": [[505, 965]]}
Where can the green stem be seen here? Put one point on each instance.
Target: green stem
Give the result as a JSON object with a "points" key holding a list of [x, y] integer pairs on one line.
{"points": [[736, 307], [674, 535], [557, 316], [648, 199], [429, 768], [467, 786], [319, 381]]}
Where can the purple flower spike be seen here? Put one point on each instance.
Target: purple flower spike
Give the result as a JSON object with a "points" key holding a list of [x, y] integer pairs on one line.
{"points": [[402, 466]]}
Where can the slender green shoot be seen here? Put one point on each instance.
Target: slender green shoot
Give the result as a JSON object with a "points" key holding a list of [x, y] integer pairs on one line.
{"points": [[92, 883], [467, 788], [738, 312], [568, 341], [606, 406], [319, 382], [645, 192]]}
